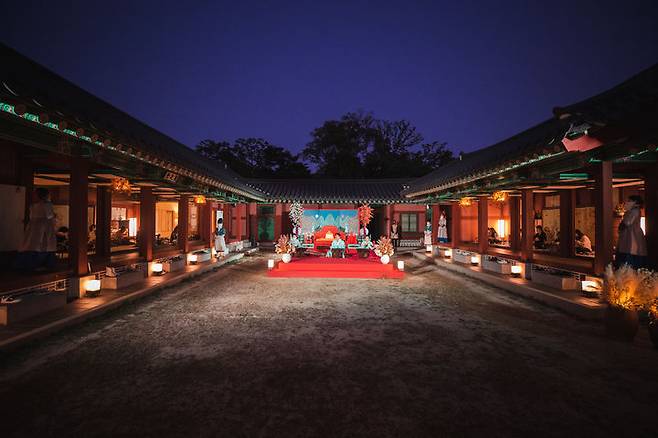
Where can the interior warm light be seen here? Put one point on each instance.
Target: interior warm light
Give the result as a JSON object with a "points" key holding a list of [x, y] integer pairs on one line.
{"points": [[589, 285], [400, 265], [132, 227], [475, 260], [515, 270], [643, 225], [93, 285], [199, 199], [120, 185], [501, 228], [270, 264], [499, 196], [156, 268], [465, 202]]}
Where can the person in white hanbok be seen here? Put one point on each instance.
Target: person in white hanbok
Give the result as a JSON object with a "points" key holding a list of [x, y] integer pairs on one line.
{"points": [[220, 240], [428, 233], [40, 242]]}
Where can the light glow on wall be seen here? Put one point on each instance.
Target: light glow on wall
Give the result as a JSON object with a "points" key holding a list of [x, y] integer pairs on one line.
{"points": [[643, 225], [132, 227], [501, 228]]}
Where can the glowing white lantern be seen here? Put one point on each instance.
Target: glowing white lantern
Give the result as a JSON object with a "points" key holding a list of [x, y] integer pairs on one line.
{"points": [[93, 285], [515, 270], [428, 248], [500, 228], [448, 253], [475, 260], [156, 268], [270, 264], [192, 258], [400, 265]]}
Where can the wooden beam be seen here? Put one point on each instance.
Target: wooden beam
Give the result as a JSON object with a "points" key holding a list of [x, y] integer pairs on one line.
{"points": [[78, 230], [527, 224], [515, 222], [651, 213], [567, 222], [147, 223], [483, 224], [184, 223], [604, 211], [454, 235], [103, 221]]}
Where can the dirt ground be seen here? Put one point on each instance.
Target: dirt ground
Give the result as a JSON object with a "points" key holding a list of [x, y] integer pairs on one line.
{"points": [[236, 353]]}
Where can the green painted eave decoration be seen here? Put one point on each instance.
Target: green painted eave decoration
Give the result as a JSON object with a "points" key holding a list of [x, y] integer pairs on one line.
{"points": [[568, 176], [70, 132], [5, 107], [31, 117]]}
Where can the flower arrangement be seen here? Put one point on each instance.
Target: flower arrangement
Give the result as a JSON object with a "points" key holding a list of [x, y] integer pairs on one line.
{"points": [[284, 246], [120, 185], [629, 288], [384, 247], [296, 214], [365, 214]]}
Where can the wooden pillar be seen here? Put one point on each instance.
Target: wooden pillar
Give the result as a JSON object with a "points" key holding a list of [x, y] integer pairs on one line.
{"points": [[515, 222], [183, 223], [278, 220], [454, 234], [388, 221], [651, 214], [239, 215], [435, 222], [483, 224], [205, 223], [253, 222], [78, 230], [568, 222], [604, 211], [103, 221], [146, 222], [527, 224]]}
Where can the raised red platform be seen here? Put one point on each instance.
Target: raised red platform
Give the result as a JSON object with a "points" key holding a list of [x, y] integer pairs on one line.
{"points": [[323, 267]]}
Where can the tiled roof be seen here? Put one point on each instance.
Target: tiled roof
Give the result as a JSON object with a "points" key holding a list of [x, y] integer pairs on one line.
{"points": [[40, 89], [333, 190], [635, 97], [524, 148]]}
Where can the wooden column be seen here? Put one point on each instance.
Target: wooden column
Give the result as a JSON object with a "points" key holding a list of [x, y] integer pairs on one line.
{"points": [[435, 222], [568, 222], [278, 220], [604, 211], [651, 214], [527, 224], [454, 233], [253, 222], [239, 215], [146, 223], [483, 224], [183, 223], [515, 222], [78, 230], [388, 221], [103, 220], [205, 223]]}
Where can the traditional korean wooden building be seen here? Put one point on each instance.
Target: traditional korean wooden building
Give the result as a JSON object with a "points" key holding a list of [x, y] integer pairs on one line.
{"points": [[571, 172]]}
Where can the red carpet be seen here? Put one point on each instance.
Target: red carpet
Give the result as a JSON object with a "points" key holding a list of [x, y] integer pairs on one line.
{"points": [[323, 267]]}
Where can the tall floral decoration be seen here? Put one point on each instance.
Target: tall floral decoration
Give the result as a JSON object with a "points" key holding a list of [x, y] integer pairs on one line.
{"points": [[284, 245], [384, 247], [365, 214], [296, 214]]}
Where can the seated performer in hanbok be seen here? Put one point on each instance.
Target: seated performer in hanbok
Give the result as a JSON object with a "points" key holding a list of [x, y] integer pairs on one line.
{"points": [[428, 233], [337, 248], [442, 235]]}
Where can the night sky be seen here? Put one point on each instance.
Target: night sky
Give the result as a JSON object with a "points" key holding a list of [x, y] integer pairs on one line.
{"points": [[468, 73]]}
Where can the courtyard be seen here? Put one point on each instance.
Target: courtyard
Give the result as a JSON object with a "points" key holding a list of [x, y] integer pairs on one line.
{"points": [[236, 353]]}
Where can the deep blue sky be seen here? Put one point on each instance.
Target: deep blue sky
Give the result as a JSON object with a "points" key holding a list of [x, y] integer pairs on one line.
{"points": [[469, 73]]}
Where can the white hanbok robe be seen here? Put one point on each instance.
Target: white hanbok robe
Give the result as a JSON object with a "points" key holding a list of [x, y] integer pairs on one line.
{"points": [[40, 232]]}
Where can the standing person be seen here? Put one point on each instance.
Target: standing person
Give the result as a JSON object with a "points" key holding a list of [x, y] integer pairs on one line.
{"points": [[632, 245], [395, 236], [428, 233], [443, 228], [40, 238], [220, 241]]}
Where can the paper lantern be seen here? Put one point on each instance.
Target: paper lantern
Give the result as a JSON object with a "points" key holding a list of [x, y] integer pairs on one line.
{"points": [[156, 268], [428, 248], [448, 253], [475, 260], [270, 264], [465, 202], [120, 185], [199, 199], [515, 270], [93, 285], [400, 265], [499, 196], [192, 258]]}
